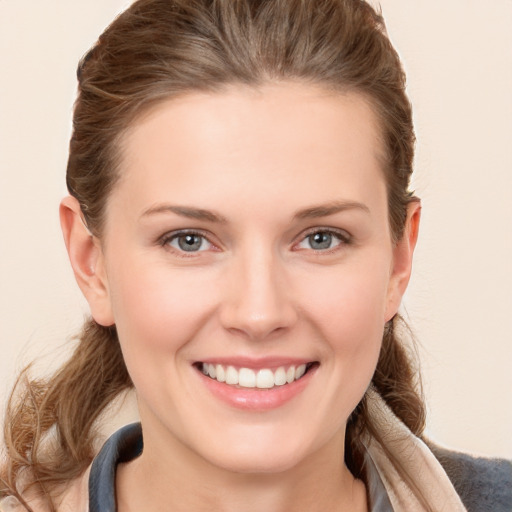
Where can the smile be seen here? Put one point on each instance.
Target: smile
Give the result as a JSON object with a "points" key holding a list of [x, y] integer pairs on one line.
{"points": [[263, 378]]}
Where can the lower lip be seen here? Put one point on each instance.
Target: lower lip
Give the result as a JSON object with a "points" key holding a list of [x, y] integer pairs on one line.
{"points": [[256, 399]]}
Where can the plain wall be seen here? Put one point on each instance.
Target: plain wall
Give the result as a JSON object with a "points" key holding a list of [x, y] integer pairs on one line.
{"points": [[458, 56]]}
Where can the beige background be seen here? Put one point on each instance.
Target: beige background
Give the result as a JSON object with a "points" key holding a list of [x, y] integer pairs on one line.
{"points": [[458, 55]]}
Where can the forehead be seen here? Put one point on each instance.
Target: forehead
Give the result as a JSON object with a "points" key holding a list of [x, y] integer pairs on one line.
{"points": [[245, 140]]}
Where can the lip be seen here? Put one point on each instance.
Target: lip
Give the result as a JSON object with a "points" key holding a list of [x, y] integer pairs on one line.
{"points": [[255, 399]]}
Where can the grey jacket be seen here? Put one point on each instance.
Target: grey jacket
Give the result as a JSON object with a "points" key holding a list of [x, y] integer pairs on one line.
{"points": [[484, 485]]}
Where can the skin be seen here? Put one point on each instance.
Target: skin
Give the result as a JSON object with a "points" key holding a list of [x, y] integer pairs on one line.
{"points": [[257, 287]]}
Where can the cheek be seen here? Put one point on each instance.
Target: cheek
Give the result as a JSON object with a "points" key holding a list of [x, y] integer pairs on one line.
{"points": [[350, 303], [156, 310], [348, 310]]}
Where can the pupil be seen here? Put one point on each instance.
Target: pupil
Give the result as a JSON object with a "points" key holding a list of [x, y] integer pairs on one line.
{"points": [[321, 240], [190, 242]]}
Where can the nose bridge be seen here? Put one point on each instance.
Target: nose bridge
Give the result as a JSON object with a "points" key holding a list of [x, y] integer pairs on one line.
{"points": [[257, 302]]}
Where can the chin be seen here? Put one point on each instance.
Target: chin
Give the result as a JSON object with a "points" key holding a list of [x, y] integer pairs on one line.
{"points": [[270, 463], [261, 456]]}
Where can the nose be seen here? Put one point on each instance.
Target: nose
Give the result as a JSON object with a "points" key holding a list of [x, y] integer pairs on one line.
{"points": [[257, 297]]}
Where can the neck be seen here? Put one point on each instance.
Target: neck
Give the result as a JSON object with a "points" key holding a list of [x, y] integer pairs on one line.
{"points": [[171, 477]]}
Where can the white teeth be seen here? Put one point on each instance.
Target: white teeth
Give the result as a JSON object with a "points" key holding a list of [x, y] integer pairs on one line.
{"points": [[248, 378], [221, 374], [265, 379], [300, 371], [231, 376], [280, 377]]}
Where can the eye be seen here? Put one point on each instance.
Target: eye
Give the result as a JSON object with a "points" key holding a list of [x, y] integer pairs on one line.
{"points": [[323, 240], [186, 242]]}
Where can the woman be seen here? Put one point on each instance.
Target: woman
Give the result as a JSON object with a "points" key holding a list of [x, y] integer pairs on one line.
{"points": [[241, 226]]}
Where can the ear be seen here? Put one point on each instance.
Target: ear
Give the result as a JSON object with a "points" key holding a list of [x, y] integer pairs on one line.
{"points": [[402, 259], [86, 257]]}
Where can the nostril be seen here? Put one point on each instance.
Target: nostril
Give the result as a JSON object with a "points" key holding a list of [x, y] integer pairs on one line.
{"points": [[258, 308]]}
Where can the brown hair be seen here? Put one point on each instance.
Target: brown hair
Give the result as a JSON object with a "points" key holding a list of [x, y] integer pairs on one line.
{"points": [[158, 49]]}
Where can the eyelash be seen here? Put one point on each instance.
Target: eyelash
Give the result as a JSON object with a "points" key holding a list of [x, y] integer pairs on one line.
{"points": [[166, 240], [343, 237]]}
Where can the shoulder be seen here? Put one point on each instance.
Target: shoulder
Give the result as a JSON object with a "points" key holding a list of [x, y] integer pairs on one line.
{"points": [[484, 484]]}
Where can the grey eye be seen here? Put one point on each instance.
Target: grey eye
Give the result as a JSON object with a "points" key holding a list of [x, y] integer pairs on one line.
{"points": [[189, 242], [321, 240]]}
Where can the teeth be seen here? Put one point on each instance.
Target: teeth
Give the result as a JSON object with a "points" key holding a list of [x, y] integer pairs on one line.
{"points": [[280, 377], [231, 376], [299, 372], [221, 374], [248, 378], [265, 379]]}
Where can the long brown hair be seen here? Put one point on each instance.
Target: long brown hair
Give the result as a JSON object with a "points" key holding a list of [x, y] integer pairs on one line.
{"points": [[158, 49]]}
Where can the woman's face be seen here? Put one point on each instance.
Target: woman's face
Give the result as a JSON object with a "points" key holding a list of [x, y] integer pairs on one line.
{"points": [[248, 236]]}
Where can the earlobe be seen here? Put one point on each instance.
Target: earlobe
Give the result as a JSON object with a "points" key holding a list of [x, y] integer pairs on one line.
{"points": [[402, 259], [86, 257]]}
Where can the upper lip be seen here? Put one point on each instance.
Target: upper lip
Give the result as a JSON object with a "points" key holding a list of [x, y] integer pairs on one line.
{"points": [[271, 362]]}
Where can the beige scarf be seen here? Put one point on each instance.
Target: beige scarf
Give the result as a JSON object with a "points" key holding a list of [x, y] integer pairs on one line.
{"points": [[424, 470], [429, 477]]}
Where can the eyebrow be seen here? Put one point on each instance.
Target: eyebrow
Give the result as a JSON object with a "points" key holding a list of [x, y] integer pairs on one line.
{"points": [[324, 210], [186, 211], [321, 210]]}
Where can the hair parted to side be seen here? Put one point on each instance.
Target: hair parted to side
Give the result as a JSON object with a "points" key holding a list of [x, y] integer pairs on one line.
{"points": [[159, 49]]}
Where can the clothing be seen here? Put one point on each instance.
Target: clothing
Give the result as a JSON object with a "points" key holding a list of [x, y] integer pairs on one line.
{"points": [[451, 481], [126, 445], [484, 485]]}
